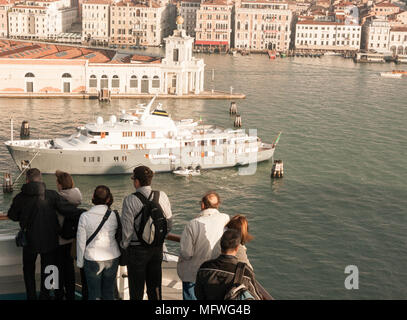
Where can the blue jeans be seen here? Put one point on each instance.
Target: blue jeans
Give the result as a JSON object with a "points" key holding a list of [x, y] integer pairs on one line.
{"points": [[101, 278], [188, 290]]}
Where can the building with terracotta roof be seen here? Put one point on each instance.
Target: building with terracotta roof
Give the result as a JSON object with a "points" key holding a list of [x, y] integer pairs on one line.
{"points": [[40, 19], [28, 67], [262, 25], [385, 9], [214, 24], [323, 35]]}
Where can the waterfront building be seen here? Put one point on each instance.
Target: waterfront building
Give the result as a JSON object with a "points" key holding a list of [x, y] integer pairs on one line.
{"points": [[214, 24], [95, 20], [35, 68], [262, 25], [376, 34], [398, 40], [322, 35], [187, 10], [5, 6], [141, 22], [40, 19]]}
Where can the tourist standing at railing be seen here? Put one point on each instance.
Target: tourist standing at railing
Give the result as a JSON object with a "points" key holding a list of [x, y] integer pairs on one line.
{"points": [[36, 208], [216, 277], [97, 249], [67, 190], [144, 261], [239, 223], [198, 239]]}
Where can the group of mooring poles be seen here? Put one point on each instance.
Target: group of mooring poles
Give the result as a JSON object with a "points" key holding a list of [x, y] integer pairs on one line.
{"points": [[233, 111]]}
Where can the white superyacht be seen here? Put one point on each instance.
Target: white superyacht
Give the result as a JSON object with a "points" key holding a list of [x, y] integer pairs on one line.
{"points": [[144, 137]]}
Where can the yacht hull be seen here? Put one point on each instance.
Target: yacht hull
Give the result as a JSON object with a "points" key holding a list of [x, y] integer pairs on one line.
{"points": [[104, 162]]}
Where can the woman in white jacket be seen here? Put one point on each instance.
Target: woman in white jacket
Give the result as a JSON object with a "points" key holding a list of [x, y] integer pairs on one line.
{"points": [[100, 258]]}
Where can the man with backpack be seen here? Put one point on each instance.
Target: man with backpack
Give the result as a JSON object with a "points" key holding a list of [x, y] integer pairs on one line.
{"points": [[146, 220], [224, 278]]}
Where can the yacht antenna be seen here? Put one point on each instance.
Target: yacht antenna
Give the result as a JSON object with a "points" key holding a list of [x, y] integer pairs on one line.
{"points": [[147, 109], [11, 129]]}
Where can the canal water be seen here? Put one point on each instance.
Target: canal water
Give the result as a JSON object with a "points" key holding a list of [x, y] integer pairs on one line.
{"points": [[342, 200]]}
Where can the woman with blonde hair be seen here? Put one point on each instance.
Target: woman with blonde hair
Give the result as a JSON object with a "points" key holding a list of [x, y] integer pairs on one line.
{"points": [[239, 223]]}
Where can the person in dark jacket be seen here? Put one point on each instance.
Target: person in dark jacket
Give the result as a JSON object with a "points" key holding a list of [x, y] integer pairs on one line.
{"points": [[36, 208], [215, 277], [66, 188]]}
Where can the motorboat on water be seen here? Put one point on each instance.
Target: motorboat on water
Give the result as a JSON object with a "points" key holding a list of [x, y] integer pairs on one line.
{"points": [[144, 136], [393, 74], [187, 172]]}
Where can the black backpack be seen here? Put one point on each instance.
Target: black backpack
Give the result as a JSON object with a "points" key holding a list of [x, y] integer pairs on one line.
{"points": [[70, 225], [237, 290], [152, 229]]}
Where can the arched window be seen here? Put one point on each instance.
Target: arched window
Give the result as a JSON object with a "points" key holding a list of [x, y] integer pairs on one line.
{"points": [[138, 13], [104, 82], [156, 82], [400, 50], [66, 75], [93, 82], [29, 75], [115, 82], [144, 85], [133, 81]]}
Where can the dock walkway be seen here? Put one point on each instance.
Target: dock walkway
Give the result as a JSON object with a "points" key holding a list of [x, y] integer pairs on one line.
{"points": [[221, 95]]}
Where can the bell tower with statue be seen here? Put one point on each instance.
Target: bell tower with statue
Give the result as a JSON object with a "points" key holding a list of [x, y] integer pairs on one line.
{"points": [[186, 73]]}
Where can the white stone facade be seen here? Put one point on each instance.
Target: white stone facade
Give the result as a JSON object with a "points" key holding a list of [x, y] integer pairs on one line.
{"points": [[40, 19], [318, 35], [95, 20], [376, 33]]}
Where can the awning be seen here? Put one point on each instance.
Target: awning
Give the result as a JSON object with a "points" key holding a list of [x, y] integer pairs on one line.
{"points": [[212, 43]]}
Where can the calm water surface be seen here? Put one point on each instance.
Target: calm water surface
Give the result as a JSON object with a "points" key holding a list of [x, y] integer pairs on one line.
{"points": [[343, 198]]}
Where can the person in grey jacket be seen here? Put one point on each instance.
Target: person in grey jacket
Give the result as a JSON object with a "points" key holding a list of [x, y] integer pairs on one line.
{"points": [[144, 263], [198, 239], [66, 188]]}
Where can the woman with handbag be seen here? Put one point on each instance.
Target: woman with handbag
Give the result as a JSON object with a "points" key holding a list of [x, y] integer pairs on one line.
{"points": [[97, 248], [67, 190]]}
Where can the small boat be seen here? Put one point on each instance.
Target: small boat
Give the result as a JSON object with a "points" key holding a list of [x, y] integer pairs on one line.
{"points": [[187, 172], [272, 54], [332, 53], [391, 74]]}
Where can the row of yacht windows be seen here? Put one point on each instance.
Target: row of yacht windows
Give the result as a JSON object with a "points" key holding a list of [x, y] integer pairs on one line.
{"points": [[136, 134]]}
